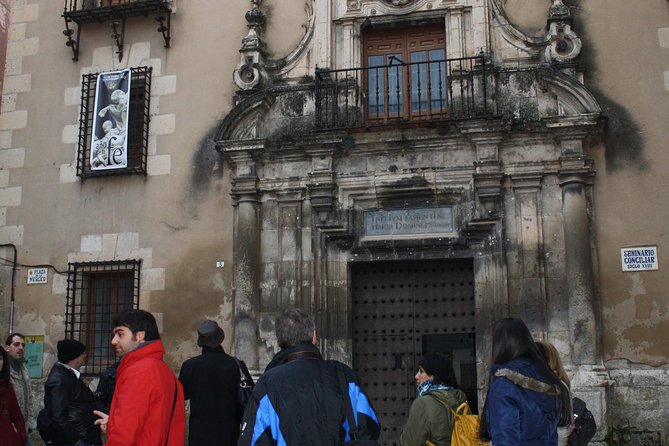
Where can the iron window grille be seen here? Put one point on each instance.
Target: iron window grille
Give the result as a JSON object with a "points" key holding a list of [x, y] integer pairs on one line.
{"points": [[138, 125], [96, 292]]}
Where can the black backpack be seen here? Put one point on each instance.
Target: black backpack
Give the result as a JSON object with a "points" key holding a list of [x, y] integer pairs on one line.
{"points": [[585, 426]]}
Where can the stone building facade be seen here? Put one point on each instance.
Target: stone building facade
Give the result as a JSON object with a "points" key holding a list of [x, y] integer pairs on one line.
{"points": [[409, 171]]}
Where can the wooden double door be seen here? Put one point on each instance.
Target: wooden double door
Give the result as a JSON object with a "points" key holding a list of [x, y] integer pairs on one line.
{"points": [[400, 311]]}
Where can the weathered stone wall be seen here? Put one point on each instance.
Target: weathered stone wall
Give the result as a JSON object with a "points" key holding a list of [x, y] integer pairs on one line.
{"points": [[638, 403]]}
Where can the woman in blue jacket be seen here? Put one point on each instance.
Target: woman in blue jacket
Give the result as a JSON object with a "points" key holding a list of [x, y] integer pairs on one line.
{"points": [[526, 401]]}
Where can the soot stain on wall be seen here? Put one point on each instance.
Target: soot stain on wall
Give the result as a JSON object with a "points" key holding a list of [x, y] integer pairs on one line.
{"points": [[624, 143], [207, 164]]}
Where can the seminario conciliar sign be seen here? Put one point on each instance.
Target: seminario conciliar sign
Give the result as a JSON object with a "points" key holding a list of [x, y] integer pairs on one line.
{"points": [[640, 258]]}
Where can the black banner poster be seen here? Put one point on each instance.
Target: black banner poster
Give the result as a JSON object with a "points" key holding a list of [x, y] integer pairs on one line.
{"points": [[109, 144]]}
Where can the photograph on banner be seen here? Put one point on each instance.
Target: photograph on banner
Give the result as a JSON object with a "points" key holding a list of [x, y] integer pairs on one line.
{"points": [[109, 144]]}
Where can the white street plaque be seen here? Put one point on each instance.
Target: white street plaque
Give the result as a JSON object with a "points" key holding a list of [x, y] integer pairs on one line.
{"points": [[37, 276], [642, 258]]}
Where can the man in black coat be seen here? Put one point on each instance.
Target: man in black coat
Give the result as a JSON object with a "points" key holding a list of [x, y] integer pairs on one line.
{"points": [[211, 383], [302, 399], [67, 418]]}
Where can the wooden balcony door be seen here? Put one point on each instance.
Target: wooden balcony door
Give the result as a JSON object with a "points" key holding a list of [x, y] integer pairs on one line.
{"points": [[406, 73]]}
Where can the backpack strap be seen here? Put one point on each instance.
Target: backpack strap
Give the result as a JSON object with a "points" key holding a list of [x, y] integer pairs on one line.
{"points": [[463, 407], [343, 385], [174, 404]]}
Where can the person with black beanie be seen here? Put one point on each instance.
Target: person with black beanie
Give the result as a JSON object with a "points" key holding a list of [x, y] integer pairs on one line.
{"points": [[67, 418]]}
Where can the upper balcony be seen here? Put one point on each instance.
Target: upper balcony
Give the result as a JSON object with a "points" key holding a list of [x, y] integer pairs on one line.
{"points": [[402, 93], [115, 13]]}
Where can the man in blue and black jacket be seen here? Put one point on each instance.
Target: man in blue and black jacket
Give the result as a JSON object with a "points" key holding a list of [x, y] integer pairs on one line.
{"points": [[299, 401]]}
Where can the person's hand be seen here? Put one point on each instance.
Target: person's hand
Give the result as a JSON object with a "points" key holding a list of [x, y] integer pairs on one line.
{"points": [[102, 422]]}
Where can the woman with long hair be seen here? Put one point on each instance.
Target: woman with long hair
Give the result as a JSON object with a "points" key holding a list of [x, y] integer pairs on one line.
{"points": [[12, 424], [526, 401], [430, 417], [553, 358]]}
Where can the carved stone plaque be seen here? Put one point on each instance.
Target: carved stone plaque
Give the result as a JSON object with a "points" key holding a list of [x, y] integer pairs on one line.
{"points": [[392, 222]]}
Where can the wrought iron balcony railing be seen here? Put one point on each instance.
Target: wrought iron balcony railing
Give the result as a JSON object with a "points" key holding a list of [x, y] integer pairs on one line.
{"points": [[401, 93], [114, 13]]}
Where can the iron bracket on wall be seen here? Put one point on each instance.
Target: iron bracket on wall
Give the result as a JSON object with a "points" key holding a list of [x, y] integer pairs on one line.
{"points": [[115, 13]]}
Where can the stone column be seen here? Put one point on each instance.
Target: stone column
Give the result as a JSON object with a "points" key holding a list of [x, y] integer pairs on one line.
{"points": [[574, 176], [246, 252], [527, 298]]}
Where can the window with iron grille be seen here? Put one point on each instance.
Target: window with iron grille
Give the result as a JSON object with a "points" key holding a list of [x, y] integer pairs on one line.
{"points": [[137, 130], [96, 292]]}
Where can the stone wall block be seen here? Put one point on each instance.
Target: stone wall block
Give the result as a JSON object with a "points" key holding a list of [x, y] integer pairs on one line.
{"points": [[12, 158], [650, 378], [156, 64], [25, 13], [103, 56], [269, 285], [138, 53], [22, 48], [10, 196], [288, 245], [11, 234], [5, 139], [621, 377], [13, 66], [70, 134], [127, 243], [663, 399], [269, 240], [59, 284], [158, 165], [162, 124], [108, 245], [16, 32], [635, 398], [307, 253], [554, 260], [14, 120], [9, 102], [153, 279], [663, 37], [72, 96], [91, 243], [17, 83], [164, 85], [145, 254], [270, 217], [68, 174]]}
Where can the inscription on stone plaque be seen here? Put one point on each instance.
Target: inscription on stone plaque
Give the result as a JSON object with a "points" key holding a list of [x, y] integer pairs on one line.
{"points": [[393, 222]]}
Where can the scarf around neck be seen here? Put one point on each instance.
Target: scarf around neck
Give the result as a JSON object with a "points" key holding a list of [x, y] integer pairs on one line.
{"points": [[427, 386]]}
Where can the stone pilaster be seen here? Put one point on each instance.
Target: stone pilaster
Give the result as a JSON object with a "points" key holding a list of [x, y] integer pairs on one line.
{"points": [[574, 175], [246, 270], [528, 300]]}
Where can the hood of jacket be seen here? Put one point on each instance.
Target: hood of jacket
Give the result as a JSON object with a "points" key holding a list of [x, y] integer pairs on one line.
{"points": [[525, 373], [453, 397]]}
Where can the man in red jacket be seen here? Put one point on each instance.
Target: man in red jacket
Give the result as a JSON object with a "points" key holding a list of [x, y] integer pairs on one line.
{"points": [[147, 408]]}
